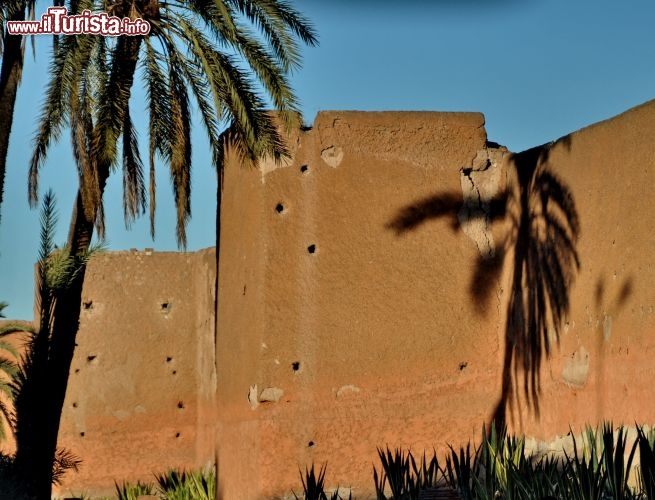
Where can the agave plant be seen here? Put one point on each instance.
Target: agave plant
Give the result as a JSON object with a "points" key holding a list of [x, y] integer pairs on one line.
{"points": [[459, 471], [406, 479], [499, 463], [313, 486], [126, 491], [181, 485], [545, 479], [615, 464], [646, 445], [584, 476], [499, 468]]}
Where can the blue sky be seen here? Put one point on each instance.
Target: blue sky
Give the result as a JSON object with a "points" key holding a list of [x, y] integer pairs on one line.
{"points": [[537, 69]]}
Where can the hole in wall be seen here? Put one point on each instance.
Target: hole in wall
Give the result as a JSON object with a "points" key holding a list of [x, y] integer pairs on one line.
{"points": [[166, 306], [180, 405], [82, 434], [304, 169], [88, 305], [463, 365], [310, 444], [91, 358], [311, 248], [74, 405], [244, 289], [169, 359], [177, 434], [174, 372], [295, 366], [279, 208]]}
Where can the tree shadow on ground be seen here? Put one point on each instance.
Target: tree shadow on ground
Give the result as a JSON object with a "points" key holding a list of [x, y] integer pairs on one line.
{"points": [[540, 246]]}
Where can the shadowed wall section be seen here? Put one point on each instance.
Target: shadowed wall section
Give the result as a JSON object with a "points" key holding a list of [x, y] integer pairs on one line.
{"points": [[603, 366]]}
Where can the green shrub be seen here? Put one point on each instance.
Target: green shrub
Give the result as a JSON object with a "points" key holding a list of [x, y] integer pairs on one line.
{"points": [[173, 485], [404, 478], [126, 491], [180, 485]]}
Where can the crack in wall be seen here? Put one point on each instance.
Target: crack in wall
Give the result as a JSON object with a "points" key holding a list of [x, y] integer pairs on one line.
{"points": [[480, 183]]}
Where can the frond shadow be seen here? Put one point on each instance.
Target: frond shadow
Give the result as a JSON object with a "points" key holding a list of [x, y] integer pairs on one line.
{"points": [[442, 205], [544, 265], [540, 246]]}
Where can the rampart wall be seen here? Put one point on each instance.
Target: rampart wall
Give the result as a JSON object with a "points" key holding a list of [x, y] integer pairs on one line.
{"points": [[396, 282], [399, 281], [141, 391]]}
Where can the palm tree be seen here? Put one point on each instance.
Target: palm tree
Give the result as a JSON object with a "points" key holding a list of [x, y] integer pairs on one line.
{"points": [[90, 87], [11, 69], [23, 383], [8, 370]]}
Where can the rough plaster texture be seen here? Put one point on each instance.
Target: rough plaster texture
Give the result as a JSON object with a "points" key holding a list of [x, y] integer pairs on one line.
{"points": [[141, 390], [373, 285], [366, 326], [363, 300], [603, 366]]}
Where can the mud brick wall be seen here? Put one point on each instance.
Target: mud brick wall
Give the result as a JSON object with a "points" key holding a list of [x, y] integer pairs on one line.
{"points": [[141, 390], [397, 281]]}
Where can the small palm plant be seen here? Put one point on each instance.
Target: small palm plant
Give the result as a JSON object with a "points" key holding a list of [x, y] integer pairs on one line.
{"points": [[8, 370], [56, 271]]}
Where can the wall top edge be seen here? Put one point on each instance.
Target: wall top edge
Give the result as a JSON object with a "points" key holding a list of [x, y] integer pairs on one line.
{"points": [[475, 119], [153, 251], [634, 114]]}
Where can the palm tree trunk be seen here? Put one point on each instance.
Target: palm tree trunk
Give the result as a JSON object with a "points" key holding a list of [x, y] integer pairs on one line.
{"points": [[37, 450], [10, 76], [38, 422]]}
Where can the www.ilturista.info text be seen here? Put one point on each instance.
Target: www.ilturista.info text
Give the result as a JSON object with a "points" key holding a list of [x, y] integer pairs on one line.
{"points": [[57, 22]]}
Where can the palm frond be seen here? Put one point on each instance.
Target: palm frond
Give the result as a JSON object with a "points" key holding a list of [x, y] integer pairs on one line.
{"points": [[180, 164], [113, 101], [68, 64], [278, 20], [81, 124], [160, 128], [134, 191], [226, 55], [198, 75]]}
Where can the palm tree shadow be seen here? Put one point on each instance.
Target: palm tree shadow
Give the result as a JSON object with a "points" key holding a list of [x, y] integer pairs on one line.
{"points": [[545, 261], [540, 246], [410, 217]]}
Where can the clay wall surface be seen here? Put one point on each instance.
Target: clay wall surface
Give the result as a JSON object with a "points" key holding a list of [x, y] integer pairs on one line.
{"points": [[388, 286], [603, 367], [346, 307], [396, 282], [142, 382]]}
